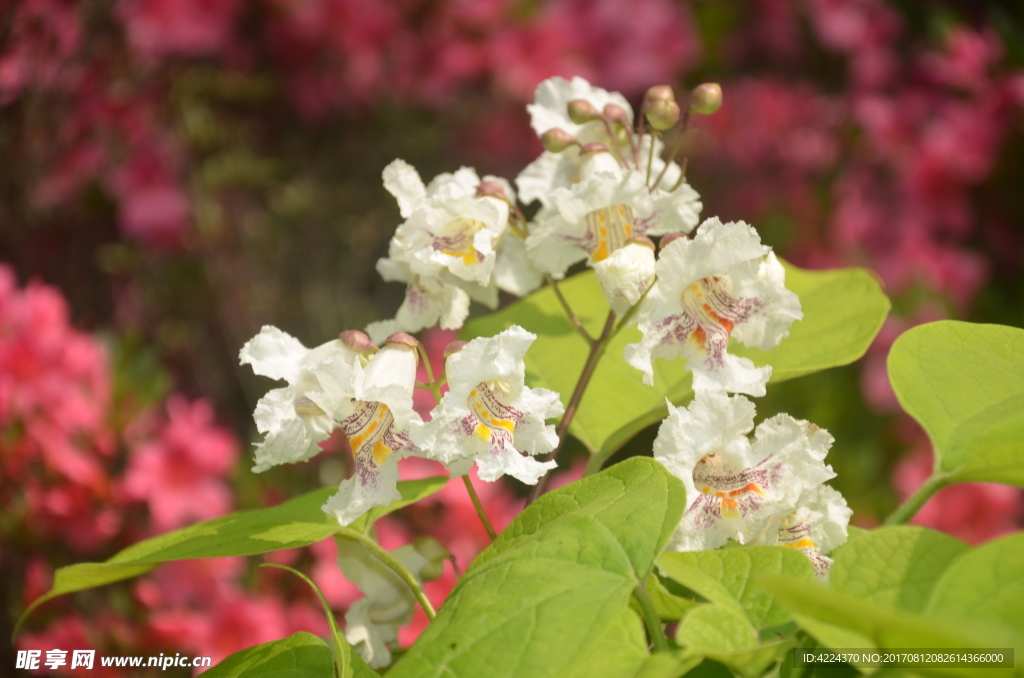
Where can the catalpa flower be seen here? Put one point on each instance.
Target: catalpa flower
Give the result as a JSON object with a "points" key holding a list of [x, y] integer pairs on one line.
{"points": [[452, 247], [375, 415], [297, 417], [489, 416], [724, 283], [815, 527], [597, 216], [737, 488], [627, 274], [576, 111]]}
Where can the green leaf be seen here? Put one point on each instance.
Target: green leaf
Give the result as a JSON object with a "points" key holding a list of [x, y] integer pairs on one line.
{"points": [[884, 627], [713, 628], [726, 636], [302, 655], [843, 310], [638, 502], [727, 577], [551, 596], [348, 663], [411, 490], [538, 609], [985, 583], [297, 522], [622, 652], [668, 605], [895, 566], [964, 383]]}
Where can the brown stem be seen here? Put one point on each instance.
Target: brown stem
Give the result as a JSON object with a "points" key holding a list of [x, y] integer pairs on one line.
{"points": [[569, 312], [675, 149], [596, 350], [615, 143]]}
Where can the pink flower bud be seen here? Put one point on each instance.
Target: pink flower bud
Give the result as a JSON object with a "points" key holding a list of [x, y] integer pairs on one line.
{"points": [[658, 93], [616, 114], [641, 240], [453, 347], [581, 111], [556, 140], [357, 341], [491, 189], [669, 237], [402, 339], [663, 115], [706, 99]]}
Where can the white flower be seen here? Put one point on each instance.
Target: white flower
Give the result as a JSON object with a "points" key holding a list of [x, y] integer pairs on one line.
{"points": [[550, 107], [818, 525], [489, 416], [627, 274], [513, 271], [372, 622], [376, 416], [596, 216], [296, 417], [561, 170], [447, 248], [722, 283], [736, 489], [428, 301]]}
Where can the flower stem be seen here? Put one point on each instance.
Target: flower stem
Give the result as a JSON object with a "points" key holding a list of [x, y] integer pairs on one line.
{"points": [[395, 566], [651, 619], [479, 507], [596, 351], [675, 149], [568, 310], [911, 506], [650, 158], [615, 143]]}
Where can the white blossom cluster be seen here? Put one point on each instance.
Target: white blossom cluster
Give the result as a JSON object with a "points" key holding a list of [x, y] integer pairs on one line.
{"points": [[602, 192]]}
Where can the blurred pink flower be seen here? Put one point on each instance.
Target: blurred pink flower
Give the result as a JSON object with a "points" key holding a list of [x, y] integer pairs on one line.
{"points": [[181, 473], [178, 27], [973, 512], [153, 206]]}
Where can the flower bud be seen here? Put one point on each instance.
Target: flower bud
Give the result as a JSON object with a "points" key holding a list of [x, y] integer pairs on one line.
{"points": [[402, 339], [357, 341], [658, 93], [641, 240], [492, 189], [581, 111], [669, 237], [663, 115], [454, 347], [556, 140], [616, 114], [706, 99]]}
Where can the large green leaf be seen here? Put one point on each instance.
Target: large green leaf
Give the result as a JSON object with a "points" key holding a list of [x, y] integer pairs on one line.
{"points": [[869, 624], [726, 636], [895, 566], [302, 655], [551, 596], [728, 577], [297, 522], [638, 502], [964, 383], [985, 583], [538, 609], [843, 310]]}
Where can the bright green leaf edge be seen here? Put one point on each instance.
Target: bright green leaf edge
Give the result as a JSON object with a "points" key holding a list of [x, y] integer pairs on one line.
{"points": [[964, 383], [844, 304], [301, 655], [292, 524]]}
